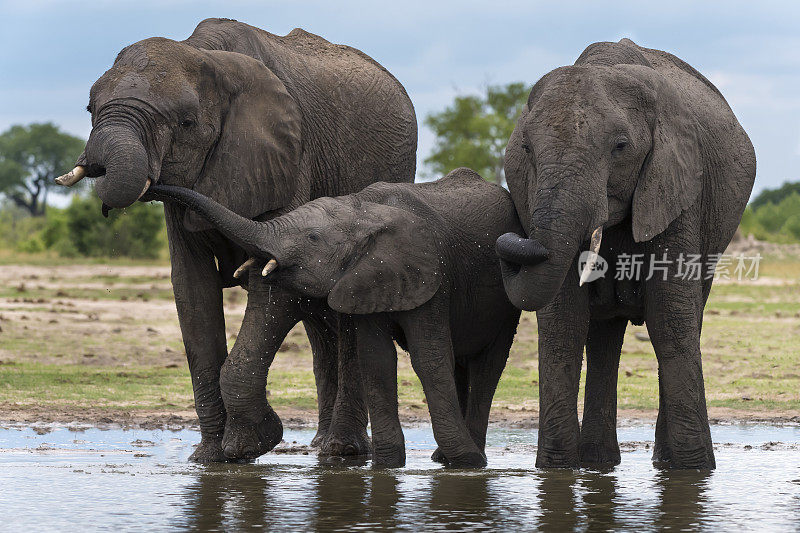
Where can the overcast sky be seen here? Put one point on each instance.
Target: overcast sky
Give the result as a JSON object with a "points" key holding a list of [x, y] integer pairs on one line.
{"points": [[51, 52]]}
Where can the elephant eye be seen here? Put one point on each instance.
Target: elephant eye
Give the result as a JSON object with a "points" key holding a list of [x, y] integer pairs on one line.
{"points": [[526, 147], [313, 237], [187, 123], [621, 144]]}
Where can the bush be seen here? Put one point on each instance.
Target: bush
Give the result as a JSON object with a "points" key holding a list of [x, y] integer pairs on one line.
{"points": [[776, 222], [131, 232], [81, 230]]}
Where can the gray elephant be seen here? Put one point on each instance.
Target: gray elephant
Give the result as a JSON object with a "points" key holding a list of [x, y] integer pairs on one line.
{"points": [[262, 124], [412, 263], [629, 151]]}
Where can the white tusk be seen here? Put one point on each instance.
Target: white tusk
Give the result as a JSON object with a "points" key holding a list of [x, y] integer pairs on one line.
{"points": [[72, 177], [591, 260], [269, 267], [245, 266], [146, 186]]}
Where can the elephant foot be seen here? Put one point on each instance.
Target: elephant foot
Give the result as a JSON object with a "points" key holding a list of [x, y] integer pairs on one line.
{"points": [[339, 443], [246, 442], [467, 460], [208, 451], [438, 457], [557, 456], [320, 436], [389, 457], [599, 454], [697, 459]]}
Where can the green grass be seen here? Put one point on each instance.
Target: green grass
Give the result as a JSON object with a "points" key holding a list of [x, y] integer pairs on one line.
{"points": [[34, 384], [50, 258], [60, 351]]}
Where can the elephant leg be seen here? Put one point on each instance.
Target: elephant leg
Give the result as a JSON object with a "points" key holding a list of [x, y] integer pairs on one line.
{"points": [[661, 450], [563, 326], [198, 298], [431, 350], [377, 359], [484, 375], [673, 313], [598, 444], [348, 428], [253, 428], [324, 347], [461, 376]]}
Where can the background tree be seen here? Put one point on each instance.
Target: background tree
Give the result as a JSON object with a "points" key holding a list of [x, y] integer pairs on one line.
{"points": [[30, 158], [474, 130], [775, 196]]}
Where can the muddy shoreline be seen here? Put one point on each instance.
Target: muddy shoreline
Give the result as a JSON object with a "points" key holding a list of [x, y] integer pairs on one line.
{"points": [[304, 419]]}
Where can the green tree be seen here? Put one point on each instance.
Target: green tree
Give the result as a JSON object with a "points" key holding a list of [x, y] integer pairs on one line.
{"points": [[775, 196], [474, 130], [31, 157]]}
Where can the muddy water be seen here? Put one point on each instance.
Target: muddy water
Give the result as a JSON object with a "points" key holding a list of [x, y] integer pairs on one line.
{"points": [[71, 477]]}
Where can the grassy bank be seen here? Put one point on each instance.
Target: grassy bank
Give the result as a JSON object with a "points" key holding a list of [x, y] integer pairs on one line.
{"points": [[104, 337]]}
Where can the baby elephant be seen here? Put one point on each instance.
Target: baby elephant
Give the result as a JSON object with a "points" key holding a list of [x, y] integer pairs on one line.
{"points": [[412, 263]]}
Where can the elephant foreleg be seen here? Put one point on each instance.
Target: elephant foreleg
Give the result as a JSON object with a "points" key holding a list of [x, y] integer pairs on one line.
{"points": [[431, 350], [347, 434], [484, 375], [324, 348], [598, 444], [563, 326], [253, 428], [377, 358], [198, 298], [673, 312]]}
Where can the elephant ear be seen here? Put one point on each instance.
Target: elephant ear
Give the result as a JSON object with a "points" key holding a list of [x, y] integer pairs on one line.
{"points": [[396, 265], [671, 177], [254, 166]]}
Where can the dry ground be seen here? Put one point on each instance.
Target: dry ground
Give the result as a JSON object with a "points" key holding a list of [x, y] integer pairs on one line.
{"points": [[100, 343]]}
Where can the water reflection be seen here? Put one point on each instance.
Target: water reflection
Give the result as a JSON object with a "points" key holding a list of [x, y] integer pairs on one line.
{"points": [[599, 500], [557, 500], [227, 497], [461, 501], [335, 498], [682, 498], [158, 490]]}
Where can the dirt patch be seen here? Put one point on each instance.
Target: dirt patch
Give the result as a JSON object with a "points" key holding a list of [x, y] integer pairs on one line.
{"points": [[40, 418]]}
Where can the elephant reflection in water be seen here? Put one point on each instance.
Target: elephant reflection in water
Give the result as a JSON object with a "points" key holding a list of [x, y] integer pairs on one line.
{"points": [[557, 501], [459, 500], [682, 500], [346, 499], [230, 498], [224, 498]]}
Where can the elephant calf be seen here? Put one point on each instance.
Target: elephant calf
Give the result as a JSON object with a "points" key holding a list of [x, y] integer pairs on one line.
{"points": [[412, 263]]}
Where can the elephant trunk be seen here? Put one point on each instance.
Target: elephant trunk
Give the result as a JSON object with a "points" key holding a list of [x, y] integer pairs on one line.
{"points": [[252, 236], [118, 151], [534, 269]]}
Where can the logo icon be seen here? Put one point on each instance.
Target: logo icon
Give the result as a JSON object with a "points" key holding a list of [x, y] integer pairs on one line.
{"points": [[591, 266]]}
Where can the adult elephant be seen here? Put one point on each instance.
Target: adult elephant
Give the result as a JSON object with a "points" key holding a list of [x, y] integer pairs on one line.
{"points": [[636, 149], [261, 123]]}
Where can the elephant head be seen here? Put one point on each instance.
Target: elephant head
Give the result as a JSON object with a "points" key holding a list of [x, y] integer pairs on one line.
{"points": [[171, 113], [595, 146], [363, 257]]}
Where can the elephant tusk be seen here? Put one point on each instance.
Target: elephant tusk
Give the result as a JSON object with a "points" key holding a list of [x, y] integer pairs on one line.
{"points": [[269, 267], [146, 186], [247, 264], [591, 260], [72, 177]]}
